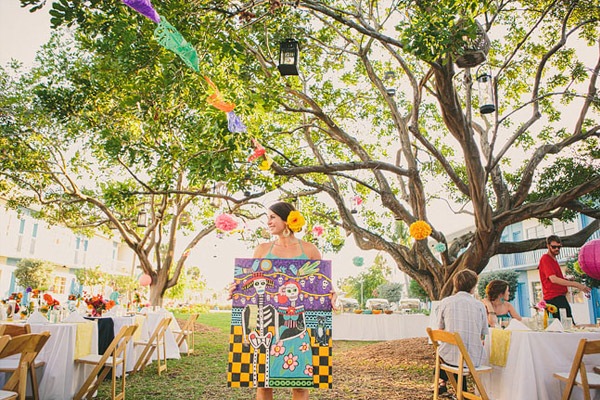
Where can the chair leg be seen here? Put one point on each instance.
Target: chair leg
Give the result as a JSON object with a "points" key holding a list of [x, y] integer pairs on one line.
{"points": [[34, 383]]}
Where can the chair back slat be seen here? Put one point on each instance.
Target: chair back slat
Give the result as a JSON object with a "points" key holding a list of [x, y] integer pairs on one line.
{"points": [[15, 330]]}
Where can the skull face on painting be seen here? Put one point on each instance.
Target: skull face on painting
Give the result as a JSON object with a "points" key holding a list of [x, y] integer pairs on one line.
{"points": [[260, 285]]}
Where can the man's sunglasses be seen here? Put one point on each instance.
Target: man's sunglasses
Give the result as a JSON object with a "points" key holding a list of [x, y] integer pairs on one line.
{"points": [[555, 247]]}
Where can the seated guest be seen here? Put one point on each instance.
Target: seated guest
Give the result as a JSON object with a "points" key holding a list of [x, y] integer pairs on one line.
{"points": [[464, 314], [496, 302]]}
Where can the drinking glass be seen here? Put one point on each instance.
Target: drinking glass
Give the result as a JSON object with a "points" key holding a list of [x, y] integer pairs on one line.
{"points": [[598, 322], [504, 322]]}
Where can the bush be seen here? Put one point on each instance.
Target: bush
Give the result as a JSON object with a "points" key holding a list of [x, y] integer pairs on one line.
{"points": [[508, 276]]}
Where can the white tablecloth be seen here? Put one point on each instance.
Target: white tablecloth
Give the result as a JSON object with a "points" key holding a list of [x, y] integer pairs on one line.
{"points": [[533, 358], [379, 327], [61, 377]]}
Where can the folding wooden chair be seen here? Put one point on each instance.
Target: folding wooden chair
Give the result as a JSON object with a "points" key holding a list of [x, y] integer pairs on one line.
{"points": [[154, 342], [18, 330], [5, 394], [454, 339], [115, 355], [28, 346], [578, 375], [187, 332]]}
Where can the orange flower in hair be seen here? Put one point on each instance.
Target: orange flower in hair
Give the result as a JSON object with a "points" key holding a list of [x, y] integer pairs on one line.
{"points": [[295, 221]]}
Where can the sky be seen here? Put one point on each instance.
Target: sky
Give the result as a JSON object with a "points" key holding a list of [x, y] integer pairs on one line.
{"points": [[21, 35]]}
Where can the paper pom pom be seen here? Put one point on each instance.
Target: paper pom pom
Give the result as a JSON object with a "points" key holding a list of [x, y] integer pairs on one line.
{"points": [[295, 221], [419, 230], [145, 280], [358, 261], [225, 222], [440, 247], [168, 37], [357, 200], [589, 258], [234, 123], [317, 230], [145, 8]]}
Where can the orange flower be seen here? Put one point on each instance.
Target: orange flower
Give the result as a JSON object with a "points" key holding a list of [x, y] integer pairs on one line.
{"points": [[295, 221], [419, 230], [47, 298]]}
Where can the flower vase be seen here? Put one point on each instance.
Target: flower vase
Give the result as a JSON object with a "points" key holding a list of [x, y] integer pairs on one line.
{"points": [[96, 312]]}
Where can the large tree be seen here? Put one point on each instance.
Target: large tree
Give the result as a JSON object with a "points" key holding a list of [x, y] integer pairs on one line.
{"points": [[109, 127], [381, 111]]}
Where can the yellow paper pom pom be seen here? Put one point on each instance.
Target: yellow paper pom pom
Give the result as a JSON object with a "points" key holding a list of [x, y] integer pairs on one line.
{"points": [[295, 221], [419, 230]]}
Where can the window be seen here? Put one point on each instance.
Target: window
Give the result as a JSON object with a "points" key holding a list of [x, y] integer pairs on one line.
{"points": [[33, 238], [536, 290], [21, 230], [60, 284]]}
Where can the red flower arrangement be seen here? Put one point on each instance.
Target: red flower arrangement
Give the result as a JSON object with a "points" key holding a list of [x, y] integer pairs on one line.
{"points": [[97, 304]]}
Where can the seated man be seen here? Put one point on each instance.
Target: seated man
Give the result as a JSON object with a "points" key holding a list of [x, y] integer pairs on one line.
{"points": [[466, 315]]}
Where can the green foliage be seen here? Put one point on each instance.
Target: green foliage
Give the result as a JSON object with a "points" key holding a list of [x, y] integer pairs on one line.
{"points": [[366, 283], [35, 274], [392, 291], [508, 276], [574, 272], [91, 276], [416, 291]]}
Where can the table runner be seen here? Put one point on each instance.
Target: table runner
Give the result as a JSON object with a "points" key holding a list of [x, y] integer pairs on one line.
{"points": [[83, 339], [500, 346]]}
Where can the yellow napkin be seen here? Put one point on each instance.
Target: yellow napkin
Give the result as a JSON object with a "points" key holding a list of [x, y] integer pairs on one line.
{"points": [[83, 339], [139, 321], [500, 346]]}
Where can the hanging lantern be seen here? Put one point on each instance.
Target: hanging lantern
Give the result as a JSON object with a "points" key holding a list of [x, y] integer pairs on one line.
{"points": [[142, 219], [288, 57], [475, 50], [486, 93], [589, 258], [389, 75], [247, 185]]}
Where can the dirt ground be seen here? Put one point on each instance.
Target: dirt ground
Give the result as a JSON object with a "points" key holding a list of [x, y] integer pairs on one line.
{"points": [[392, 370]]}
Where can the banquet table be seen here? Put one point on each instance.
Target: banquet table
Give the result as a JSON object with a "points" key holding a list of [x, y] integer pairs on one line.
{"points": [[61, 376], [348, 326], [532, 359]]}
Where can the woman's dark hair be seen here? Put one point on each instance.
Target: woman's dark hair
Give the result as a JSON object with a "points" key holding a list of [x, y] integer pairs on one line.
{"points": [[495, 289], [465, 281], [282, 209]]}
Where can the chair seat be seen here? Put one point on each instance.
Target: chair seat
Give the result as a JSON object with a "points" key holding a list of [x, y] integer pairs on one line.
{"points": [[95, 359], [6, 395], [593, 379], [480, 369]]}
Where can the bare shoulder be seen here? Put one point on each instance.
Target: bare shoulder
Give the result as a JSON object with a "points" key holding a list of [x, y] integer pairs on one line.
{"points": [[261, 250], [311, 250]]}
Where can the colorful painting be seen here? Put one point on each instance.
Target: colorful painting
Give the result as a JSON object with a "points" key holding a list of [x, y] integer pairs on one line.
{"points": [[281, 324]]}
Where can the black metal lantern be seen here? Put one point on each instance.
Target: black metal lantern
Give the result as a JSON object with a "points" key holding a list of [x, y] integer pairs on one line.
{"points": [[288, 57], [475, 51], [142, 219], [247, 185], [486, 93], [388, 76]]}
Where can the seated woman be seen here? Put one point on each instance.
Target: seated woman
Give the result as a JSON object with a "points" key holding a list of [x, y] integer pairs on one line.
{"points": [[496, 302]]}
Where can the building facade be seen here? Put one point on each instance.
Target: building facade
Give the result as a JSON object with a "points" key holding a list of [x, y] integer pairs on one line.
{"points": [[529, 289], [22, 236]]}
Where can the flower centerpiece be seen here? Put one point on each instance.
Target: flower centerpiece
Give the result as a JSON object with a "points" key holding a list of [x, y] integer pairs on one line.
{"points": [[97, 304], [547, 309]]}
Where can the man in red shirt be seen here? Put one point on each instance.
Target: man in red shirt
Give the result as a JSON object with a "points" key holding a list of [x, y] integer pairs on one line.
{"points": [[554, 284]]}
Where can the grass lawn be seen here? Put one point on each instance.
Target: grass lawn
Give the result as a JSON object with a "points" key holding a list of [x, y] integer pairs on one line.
{"points": [[362, 370]]}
